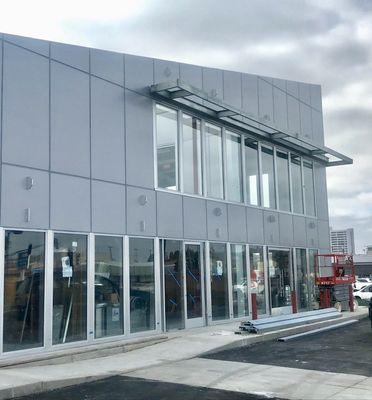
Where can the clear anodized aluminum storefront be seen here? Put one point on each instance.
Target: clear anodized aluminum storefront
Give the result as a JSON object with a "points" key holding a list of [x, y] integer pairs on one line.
{"points": [[157, 196]]}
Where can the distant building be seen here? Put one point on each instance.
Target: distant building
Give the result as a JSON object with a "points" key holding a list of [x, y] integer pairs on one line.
{"points": [[363, 264], [342, 241]]}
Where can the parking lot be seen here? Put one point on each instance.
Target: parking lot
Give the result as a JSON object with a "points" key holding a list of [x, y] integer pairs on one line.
{"points": [[344, 350]]}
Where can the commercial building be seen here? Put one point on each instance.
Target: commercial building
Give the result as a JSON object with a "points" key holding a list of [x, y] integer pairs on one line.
{"points": [[363, 265], [342, 241], [141, 195]]}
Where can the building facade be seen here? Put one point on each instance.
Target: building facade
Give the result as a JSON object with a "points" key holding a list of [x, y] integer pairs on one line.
{"points": [[141, 195], [342, 241]]}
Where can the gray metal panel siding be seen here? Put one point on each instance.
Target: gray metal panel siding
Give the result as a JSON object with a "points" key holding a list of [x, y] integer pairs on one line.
{"points": [[265, 100], [255, 229], [280, 108], [192, 74], [299, 231], [237, 227], [70, 203], [108, 208], [280, 83], [317, 126], [75, 56], [250, 94], [107, 118], [166, 71], [25, 108], [292, 88], [320, 180], [217, 220], [304, 92], [194, 218], [107, 65], [141, 211], [323, 234], [139, 73], [316, 97], [169, 215], [294, 124], [16, 199], [312, 232], [285, 229], [139, 140], [271, 227], [35, 45], [213, 82], [232, 88], [305, 114], [70, 126]]}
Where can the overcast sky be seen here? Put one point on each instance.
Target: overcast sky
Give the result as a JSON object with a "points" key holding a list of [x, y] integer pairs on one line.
{"points": [[318, 41]]}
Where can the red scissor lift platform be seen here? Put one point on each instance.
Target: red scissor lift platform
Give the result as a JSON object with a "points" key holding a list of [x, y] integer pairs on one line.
{"points": [[334, 276]]}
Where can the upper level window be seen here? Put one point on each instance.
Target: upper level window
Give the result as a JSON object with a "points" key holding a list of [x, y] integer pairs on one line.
{"points": [[191, 154], [166, 147], [309, 188], [298, 205], [283, 181], [233, 167], [213, 161], [252, 187], [267, 176]]}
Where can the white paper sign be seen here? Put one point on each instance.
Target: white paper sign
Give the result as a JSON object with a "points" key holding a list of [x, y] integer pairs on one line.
{"points": [[66, 267], [219, 268], [115, 314]]}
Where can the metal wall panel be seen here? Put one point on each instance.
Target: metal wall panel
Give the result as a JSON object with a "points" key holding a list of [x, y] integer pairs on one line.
{"points": [[304, 92], [23, 206], [320, 183], [36, 45], [107, 118], [70, 203], [250, 94], [139, 73], [317, 126], [192, 75], [194, 218], [280, 83], [280, 108], [305, 114], [236, 221], [299, 231], [293, 115], [271, 227], [70, 136], [141, 211], [26, 108], [316, 97], [285, 229], [108, 208], [265, 100], [107, 65], [292, 88], [217, 220], [75, 56], [255, 229], [323, 234], [166, 71], [139, 140], [213, 82], [169, 215], [232, 88], [312, 232]]}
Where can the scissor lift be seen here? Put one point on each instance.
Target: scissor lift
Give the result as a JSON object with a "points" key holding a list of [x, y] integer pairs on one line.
{"points": [[334, 276]]}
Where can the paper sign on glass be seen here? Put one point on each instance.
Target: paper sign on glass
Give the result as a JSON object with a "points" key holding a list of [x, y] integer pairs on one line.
{"points": [[66, 267]]}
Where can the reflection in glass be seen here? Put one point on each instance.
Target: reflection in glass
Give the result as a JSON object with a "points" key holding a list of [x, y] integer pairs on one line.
{"points": [[309, 188], [191, 154], [302, 281], [280, 278], [213, 161], [166, 147], [283, 181], [219, 281], [312, 287], [298, 205], [258, 277], [239, 280], [251, 171], [24, 267], [173, 284], [108, 286], [142, 284], [193, 281], [268, 179], [233, 167], [69, 288]]}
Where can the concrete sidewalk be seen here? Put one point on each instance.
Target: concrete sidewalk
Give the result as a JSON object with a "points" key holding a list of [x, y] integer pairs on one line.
{"points": [[181, 345]]}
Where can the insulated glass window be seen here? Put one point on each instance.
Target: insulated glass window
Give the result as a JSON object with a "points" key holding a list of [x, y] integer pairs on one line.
{"points": [[108, 286], [213, 161], [24, 267], [251, 172], [166, 147], [69, 288], [257, 268], [191, 154], [268, 177], [298, 205], [219, 281], [142, 284], [233, 167], [302, 280], [239, 280], [312, 287], [309, 188], [283, 181]]}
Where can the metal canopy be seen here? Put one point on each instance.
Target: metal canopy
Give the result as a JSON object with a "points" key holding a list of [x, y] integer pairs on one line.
{"points": [[189, 98]]}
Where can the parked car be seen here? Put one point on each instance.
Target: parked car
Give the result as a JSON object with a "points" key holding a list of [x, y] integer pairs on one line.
{"points": [[364, 295], [361, 282]]}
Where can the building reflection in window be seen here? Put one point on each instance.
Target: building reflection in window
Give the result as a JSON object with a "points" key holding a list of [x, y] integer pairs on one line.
{"points": [[258, 277]]}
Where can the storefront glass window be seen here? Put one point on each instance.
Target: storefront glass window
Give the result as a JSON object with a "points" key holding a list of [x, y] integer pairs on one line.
{"points": [[309, 188], [251, 172], [312, 287], [69, 288], [166, 142], [298, 205], [302, 280], [213, 161], [283, 181], [239, 280], [233, 167], [108, 286], [24, 267], [267, 176], [258, 277], [219, 281], [142, 284]]}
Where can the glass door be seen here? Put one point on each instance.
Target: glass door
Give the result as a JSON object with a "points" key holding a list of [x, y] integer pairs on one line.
{"points": [[280, 278], [193, 273]]}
